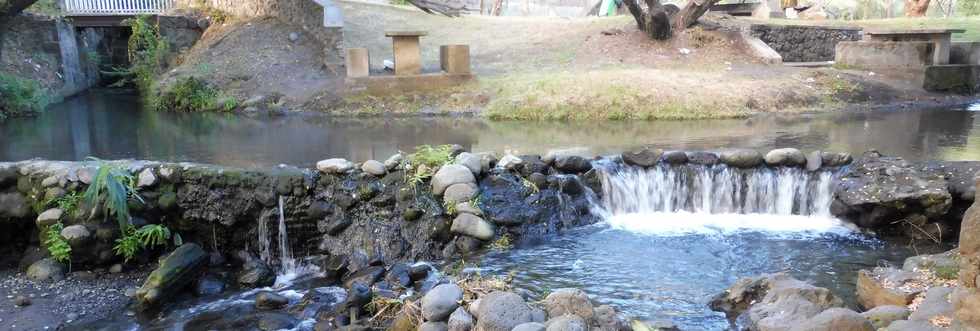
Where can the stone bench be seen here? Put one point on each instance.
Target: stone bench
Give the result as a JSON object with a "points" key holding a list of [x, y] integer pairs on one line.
{"points": [[941, 38], [408, 55], [884, 54]]}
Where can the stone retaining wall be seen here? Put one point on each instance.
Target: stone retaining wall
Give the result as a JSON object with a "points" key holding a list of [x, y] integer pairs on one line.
{"points": [[884, 54], [804, 43]]}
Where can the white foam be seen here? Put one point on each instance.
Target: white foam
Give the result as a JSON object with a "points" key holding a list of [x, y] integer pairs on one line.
{"points": [[686, 223], [974, 107]]}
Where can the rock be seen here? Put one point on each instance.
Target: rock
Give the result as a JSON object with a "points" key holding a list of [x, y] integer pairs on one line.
{"points": [[943, 261], [49, 217], [530, 326], [176, 271], [146, 178], [366, 276], [460, 320], [13, 205], [255, 273], [394, 161], [46, 270], [275, 322], [169, 174], [741, 158], [473, 226], [789, 157], [470, 161], [772, 302], [76, 235], [566, 323], [293, 36], [969, 249], [488, 160], [459, 193], [675, 157], [451, 174], [936, 303], [814, 161], [22, 301], [49, 182], [266, 300], [433, 326], [502, 311], [642, 158], [509, 162], [703, 158], [872, 293], [879, 191], [441, 301], [607, 319], [468, 208], [374, 168], [913, 326], [835, 159], [334, 166], [655, 325], [836, 319], [966, 306], [883, 316], [208, 286], [572, 164], [569, 301]]}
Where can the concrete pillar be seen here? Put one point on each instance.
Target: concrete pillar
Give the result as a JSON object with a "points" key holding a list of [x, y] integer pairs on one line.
{"points": [[358, 62], [408, 56], [941, 52], [455, 59]]}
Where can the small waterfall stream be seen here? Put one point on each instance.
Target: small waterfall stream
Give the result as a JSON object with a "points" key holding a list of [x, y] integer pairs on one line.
{"points": [[288, 267]]}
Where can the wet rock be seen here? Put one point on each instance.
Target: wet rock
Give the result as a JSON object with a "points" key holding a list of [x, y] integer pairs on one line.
{"points": [[836, 319], [358, 295], [675, 157], [419, 271], [509, 162], [460, 320], [502, 311], [116, 268], [814, 161], [460, 192], [467, 208], [76, 235], [176, 271], [399, 274], [449, 175], [46, 270], [572, 164], [49, 217], [658, 325], [607, 319], [936, 303], [367, 276], [256, 273], [531, 164], [566, 323], [642, 158], [835, 159], [470, 161], [441, 301], [208, 286], [146, 178], [433, 326], [913, 326], [569, 301], [741, 158], [883, 316], [374, 168], [337, 225], [703, 158], [320, 301], [334, 166], [473, 226], [879, 191], [270, 301], [872, 292], [394, 161], [772, 302], [22, 301], [274, 322], [789, 157], [530, 326]]}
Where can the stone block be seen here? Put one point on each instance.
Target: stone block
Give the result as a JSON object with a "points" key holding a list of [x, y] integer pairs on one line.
{"points": [[455, 59], [358, 62], [388, 85], [408, 56], [956, 78], [965, 53], [884, 54]]}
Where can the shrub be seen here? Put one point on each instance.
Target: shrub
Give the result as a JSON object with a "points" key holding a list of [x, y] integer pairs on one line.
{"points": [[57, 245], [191, 94], [426, 161], [19, 97]]}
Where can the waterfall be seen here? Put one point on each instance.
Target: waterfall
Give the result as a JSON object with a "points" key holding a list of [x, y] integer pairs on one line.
{"points": [[286, 261], [288, 267], [699, 198], [71, 66]]}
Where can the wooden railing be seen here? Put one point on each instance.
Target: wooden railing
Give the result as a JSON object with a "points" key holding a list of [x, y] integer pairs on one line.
{"points": [[117, 7]]}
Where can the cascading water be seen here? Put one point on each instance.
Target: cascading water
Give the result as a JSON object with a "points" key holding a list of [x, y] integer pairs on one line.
{"points": [[699, 198], [289, 267]]}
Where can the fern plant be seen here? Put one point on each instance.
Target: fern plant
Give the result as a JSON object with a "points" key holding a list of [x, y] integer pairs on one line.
{"points": [[57, 245], [153, 235], [113, 187]]}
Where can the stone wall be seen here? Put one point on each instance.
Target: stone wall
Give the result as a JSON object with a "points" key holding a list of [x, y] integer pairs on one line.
{"points": [[884, 55], [305, 14], [804, 43]]}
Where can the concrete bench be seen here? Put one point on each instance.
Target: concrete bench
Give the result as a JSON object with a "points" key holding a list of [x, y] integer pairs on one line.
{"points": [[884, 54], [941, 38], [408, 55]]}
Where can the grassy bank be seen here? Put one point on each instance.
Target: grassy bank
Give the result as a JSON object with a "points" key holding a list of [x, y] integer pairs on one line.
{"points": [[20, 97]]}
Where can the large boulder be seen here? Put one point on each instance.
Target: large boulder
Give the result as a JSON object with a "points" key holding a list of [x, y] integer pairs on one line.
{"points": [[460, 320], [569, 301], [741, 158], [334, 166], [572, 164], [836, 319], [774, 302], [176, 271], [643, 158], [441, 301], [970, 245], [883, 316], [374, 168], [502, 311], [567, 323], [46, 270], [790, 157], [886, 287], [470, 161], [49, 217], [936, 304], [882, 191], [966, 307], [449, 175], [473, 226], [458, 193]]}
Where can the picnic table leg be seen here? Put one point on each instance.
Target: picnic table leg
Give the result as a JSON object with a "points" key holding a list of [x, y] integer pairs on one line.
{"points": [[407, 55]]}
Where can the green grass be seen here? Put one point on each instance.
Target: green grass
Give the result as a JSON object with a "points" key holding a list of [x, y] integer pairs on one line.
{"points": [[20, 97], [190, 94]]}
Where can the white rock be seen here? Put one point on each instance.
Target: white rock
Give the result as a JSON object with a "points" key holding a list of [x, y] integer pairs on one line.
{"points": [[472, 226], [392, 162], [460, 192], [49, 217], [374, 168], [335, 166], [449, 175], [146, 178], [76, 234], [509, 162], [471, 161]]}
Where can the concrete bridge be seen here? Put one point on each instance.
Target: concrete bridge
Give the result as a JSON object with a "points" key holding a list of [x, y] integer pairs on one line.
{"points": [[89, 13]]}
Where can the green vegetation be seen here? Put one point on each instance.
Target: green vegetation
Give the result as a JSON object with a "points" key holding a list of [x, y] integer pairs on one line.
{"points": [[19, 97], [147, 51], [426, 161], [947, 272], [190, 94], [69, 203], [529, 185], [45, 7], [148, 236], [450, 207], [57, 245], [502, 243]]}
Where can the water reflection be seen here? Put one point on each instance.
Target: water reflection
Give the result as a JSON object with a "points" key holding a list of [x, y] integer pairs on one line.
{"points": [[111, 125]]}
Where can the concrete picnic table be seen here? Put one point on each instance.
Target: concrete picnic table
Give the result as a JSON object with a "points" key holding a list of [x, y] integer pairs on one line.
{"points": [[408, 56], [942, 38]]}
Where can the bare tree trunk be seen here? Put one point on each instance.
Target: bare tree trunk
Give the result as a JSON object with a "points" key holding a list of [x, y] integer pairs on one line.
{"points": [[916, 8], [691, 12], [637, 12]]}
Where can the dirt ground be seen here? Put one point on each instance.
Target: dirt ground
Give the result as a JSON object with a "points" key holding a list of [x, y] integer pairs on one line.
{"points": [[539, 68]]}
